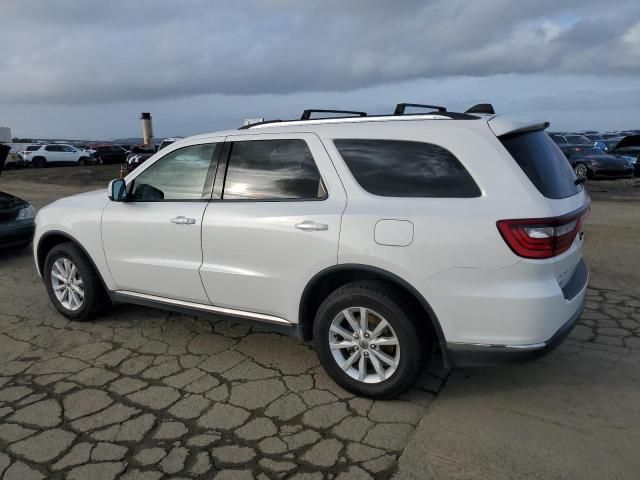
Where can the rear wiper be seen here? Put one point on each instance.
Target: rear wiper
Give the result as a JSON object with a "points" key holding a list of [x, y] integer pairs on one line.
{"points": [[580, 180]]}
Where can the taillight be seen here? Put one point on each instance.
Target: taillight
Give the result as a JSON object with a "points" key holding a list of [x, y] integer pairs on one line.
{"points": [[542, 237]]}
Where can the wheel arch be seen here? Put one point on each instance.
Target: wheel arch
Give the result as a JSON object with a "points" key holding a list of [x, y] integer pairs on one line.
{"points": [[331, 278], [56, 237]]}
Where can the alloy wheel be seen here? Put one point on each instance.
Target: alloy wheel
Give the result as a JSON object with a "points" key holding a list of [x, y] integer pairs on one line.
{"points": [[581, 170], [364, 345], [67, 284]]}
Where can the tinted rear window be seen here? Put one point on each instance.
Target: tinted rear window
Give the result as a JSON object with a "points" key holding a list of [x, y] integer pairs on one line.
{"points": [[397, 168], [33, 148], [543, 162]]}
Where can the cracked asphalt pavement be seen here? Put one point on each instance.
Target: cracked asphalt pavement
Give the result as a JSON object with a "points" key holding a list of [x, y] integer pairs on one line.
{"points": [[143, 393]]}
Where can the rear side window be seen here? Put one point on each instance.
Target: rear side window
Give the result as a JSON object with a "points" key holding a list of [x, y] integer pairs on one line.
{"points": [[33, 148], [543, 162], [398, 168], [272, 170]]}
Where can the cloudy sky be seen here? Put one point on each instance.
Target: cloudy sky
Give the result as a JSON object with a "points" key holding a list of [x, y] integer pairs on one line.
{"points": [[87, 68]]}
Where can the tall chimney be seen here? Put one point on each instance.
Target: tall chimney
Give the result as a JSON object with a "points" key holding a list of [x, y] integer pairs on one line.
{"points": [[147, 127]]}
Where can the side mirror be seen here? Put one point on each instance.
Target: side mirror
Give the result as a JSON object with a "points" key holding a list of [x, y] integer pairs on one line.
{"points": [[117, 190]]}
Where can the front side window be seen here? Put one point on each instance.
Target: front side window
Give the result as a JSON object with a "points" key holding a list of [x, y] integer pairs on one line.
{"points": [[183, 174], [399, 168], [272, 170]]}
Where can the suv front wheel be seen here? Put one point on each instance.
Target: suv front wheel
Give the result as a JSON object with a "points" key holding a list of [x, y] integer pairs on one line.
{"points": [[72, 284], [367, 341]]}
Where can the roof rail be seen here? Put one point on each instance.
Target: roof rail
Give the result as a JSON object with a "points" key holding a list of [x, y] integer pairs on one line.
{"points": [[248, 126], [400, 107], [306, 115], [486, 108]]}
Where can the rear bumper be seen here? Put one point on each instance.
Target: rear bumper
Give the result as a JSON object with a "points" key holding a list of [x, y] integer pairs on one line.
{"points": [[477, 355], [469, 355]]}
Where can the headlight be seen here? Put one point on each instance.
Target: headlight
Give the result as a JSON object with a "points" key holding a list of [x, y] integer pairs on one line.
{"points": [[26, 212]]}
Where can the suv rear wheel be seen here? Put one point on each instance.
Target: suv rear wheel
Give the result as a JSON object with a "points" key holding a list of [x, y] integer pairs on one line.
{"points": [[39, 162], [72, 284], [366, 340]]}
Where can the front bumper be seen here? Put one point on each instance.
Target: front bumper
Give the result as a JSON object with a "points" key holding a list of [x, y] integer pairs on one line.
{"points": [[612, 174], [14, 235], [480, 355]]}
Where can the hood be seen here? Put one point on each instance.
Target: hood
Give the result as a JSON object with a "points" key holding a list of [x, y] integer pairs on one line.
{"points": [[10, 205], [10, 202], [96, 199], [629, 141]]}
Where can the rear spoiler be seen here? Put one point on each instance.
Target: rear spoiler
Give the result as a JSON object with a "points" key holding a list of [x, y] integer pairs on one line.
{"points": [[501, 125]]}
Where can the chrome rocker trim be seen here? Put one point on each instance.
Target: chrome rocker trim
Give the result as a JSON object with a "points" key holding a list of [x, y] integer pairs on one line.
{"points": [[276, 323]]}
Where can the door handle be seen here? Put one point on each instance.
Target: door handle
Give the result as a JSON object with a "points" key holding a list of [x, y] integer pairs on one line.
{"points": [[183, 220], [310, 226]]}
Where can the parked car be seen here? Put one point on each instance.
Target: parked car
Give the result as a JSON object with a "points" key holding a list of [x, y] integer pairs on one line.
{"points": [[55, 154], [106, 154], [573, 150], [562, 139], [579, 140], [375, 237], [594, 137], [596, 163], [30, 148], [16, 221], [139, 154], [629, 147], [558, 138]]}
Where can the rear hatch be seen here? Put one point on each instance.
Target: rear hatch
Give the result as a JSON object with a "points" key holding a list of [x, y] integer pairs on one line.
{"points": [[556, 239]]}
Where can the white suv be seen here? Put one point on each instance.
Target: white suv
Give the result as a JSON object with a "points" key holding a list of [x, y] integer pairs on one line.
{"points": [[54, 153], [377, 237]]}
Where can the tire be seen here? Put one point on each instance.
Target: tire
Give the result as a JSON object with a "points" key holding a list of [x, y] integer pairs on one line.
{"points": [[94, 299], [82, 161], [39, 162], [581, 170], [382, 302]]}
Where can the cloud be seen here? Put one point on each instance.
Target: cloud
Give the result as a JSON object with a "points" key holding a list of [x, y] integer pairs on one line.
{"points": [[75, 52]]}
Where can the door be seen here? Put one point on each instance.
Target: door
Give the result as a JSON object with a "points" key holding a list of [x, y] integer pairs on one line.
{"points": [[273, 224], [152, 240], [69, 154], [53, 153]]}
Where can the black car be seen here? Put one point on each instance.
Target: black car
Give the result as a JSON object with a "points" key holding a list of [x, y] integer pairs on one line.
{"points": [[596, 163], [16, 221], [571, 150], [139, 154], [105, 154], [628, 146]]}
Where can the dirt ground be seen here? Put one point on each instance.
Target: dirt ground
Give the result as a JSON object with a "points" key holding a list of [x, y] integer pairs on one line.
{"points": [[146, 394]]}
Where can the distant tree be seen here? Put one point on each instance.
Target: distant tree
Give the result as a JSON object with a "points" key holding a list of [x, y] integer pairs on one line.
{"points": [[22, 140]]}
